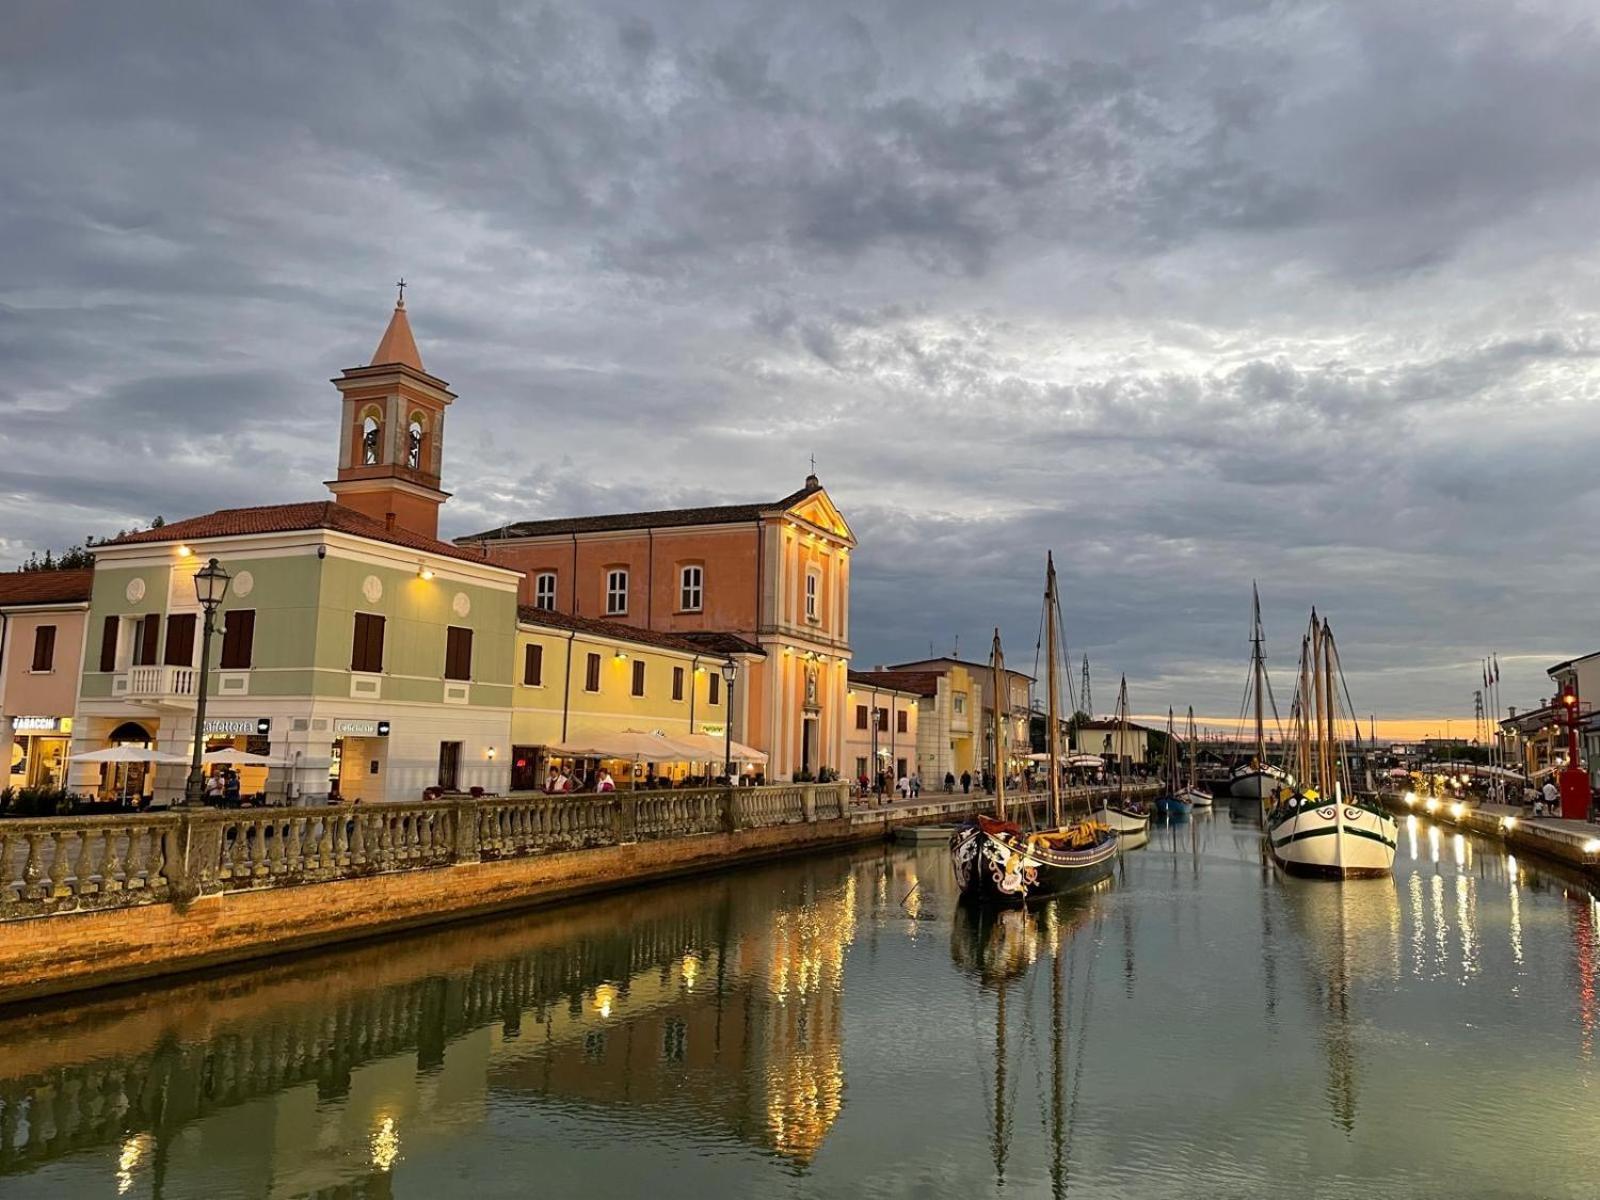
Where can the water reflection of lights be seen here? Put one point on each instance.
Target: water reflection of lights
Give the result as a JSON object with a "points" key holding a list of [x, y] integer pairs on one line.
{"points": [[1433, 843], [1516, 910], [1459, 843], [385, 1145], [131, 1155], [691, 971], [605, 996], [1419, 927], [1441, 933], [1411, 834], [1411, 799], [1432, 804], [1469, 942]]}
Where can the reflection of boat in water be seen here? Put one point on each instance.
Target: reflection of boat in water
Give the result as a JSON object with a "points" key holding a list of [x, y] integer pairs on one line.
{"points": [[1319, 827], [1349, 935], [993, 858]]}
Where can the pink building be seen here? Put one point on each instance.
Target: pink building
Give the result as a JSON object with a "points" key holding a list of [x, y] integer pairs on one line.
{"points": [[42, 619]]}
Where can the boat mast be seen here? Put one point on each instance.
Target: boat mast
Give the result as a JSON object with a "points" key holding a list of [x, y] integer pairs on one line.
{"points": [[1122, 735], [1331, 747], [1193, 763], [1315, 713], [1302, 722], [997, 665], [1053, 743], [1172, 755], [1259, 666]]}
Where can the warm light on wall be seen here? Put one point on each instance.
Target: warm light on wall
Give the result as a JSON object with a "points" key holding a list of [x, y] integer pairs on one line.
{"points": [[489, 753], [619, 655], [424, 572], [184, 552]]}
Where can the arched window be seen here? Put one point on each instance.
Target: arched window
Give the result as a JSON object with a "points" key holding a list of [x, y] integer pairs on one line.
{"points": [[371, 439], [414, 442]]}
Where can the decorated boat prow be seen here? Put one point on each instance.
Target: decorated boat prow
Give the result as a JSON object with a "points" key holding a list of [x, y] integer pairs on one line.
{"points": [[998, 862]]}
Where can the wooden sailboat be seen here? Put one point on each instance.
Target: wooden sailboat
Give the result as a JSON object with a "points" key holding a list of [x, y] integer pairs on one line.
{"points": [[1197, 796], [1173, 802], [1257, 779], [1126, 817], [993, 858], [1320, 827]]}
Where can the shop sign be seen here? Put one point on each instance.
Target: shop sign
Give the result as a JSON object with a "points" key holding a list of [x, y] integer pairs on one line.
{"points": [[713, 730], [361, 728], [238, 725], [41, 724]]}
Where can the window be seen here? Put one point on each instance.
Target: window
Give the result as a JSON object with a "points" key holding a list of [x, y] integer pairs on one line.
{"points": [[108, 643], [861, 716], [414, 443], [533, 665], [180, 640], [457, 652], [861, 767], [714, 689], [591, 675], [812, 582], [960, 703], [544, 591], [371, 433], [524, 768], [691, 588], [449, 763], [44, 648], [900, 719], [883, 720], [147, 634], [239, 639], [616, 592], [638, 677], [366, 650], [677, 683]]}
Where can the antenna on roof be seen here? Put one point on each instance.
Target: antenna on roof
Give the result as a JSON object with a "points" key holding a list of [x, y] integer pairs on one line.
{"points": [[956, 653]]}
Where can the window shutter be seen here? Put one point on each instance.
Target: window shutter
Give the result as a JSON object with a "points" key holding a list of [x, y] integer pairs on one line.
{"points": [[900, 721], [44, 647], [108, 643], [457, 653], [533, 665], [374, 643], [592, 674], [151, 630], [638, 677], [861, 716], [180, 640], [238, 639], [677, 683]]}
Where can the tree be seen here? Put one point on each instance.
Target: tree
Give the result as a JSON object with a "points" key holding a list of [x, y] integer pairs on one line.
{"points": [[76, 558]]}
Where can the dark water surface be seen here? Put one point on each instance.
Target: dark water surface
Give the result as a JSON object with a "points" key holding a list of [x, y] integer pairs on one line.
{"points": [[841, 1026]]}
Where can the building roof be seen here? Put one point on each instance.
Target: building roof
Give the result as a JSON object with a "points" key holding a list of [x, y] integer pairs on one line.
{"points": [[291, 518], [46, 587], [398, 347], [1572, 662], [919, 683], [929, 664], [704, 644], [719, 514]]}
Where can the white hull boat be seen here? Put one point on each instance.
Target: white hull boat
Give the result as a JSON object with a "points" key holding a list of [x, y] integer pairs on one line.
{"points": [[1256, 783], [1332, 840]]}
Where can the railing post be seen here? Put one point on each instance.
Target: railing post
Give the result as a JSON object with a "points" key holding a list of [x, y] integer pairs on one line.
{"points": [[625, 817], [808, 803], [466, 831], [730, 809], [196, 844]]}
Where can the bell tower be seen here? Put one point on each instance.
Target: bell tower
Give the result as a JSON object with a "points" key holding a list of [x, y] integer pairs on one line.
{"points": [[392, 437]]}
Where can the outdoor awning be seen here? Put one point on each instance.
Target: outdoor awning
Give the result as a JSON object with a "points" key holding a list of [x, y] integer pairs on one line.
{"points": [[128, 754], [710, 748], [239, 758], [630, 744]]}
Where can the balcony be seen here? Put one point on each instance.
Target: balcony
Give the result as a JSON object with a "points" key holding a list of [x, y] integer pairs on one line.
{"points": [[157, 684]]}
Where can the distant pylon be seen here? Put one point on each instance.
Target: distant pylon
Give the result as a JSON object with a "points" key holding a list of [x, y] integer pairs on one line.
{"points": [[1478, 731], [1088, 696]]}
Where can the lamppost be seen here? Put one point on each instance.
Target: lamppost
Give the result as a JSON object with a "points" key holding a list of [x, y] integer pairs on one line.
{"points": [[210, 586], [877, 767], [730, 671]]}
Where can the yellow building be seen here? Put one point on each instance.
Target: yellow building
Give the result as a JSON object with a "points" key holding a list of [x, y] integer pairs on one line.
{"points": [[881, 727], [580, 676]]}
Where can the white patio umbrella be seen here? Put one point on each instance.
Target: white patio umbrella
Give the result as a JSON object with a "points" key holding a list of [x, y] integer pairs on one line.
{"points": [[238, 758], [129, 754]]}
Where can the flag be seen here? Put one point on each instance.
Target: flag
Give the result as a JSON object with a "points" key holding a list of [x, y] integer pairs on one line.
{"points": [[1497, 668]]}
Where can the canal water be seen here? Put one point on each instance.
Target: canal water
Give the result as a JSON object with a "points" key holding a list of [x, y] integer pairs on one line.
{"points": [[841, 1026]]}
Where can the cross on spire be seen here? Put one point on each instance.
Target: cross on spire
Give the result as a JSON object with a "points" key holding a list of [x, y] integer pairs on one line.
{"points": [[401, 284], [813, 464]]}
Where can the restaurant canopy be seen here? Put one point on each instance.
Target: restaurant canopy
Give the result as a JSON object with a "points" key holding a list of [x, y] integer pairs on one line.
{"points": [[239, 758], [633, 744], [710, 748], [129, 754]]}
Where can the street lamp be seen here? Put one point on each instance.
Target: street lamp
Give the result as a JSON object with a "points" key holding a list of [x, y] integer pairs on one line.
{"points": [[210, 586], [730, 671], [877, 767]]}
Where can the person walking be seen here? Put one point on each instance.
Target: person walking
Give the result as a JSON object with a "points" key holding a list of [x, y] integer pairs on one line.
{"points": [[949, 782], [1552, 797], [230, 787], [966, 782]]}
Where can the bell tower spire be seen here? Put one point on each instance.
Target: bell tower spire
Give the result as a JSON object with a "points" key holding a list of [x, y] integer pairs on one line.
{"points": [[392, 440]]}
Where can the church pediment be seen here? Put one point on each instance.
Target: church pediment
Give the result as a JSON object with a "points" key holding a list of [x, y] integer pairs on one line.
{"points": [[817, 509]]}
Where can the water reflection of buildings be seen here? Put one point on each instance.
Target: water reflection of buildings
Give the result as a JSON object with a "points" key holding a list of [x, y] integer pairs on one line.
{"points": [[711, 1010]]}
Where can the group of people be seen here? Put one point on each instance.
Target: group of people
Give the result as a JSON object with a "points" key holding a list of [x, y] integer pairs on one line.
{"points": [[222, 787], [562, 780]]}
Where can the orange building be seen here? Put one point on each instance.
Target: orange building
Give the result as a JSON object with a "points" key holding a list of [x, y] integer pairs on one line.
{"points": [[776, 574]]}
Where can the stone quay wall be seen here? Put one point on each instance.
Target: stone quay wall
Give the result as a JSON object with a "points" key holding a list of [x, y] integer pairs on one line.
{"points": [[88, 902]]}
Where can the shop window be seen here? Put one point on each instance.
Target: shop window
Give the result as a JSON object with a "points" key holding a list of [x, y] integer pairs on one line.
{"points": [[524, 769], [544, 591], [109, 636], [44, 648], [533, 665], [714, 689], [591, 676], [861, 767], [638, 677], [147, 639], [616, 592], [180, 640], [861, 716], [449, 765], [457, 652], [239, 639], [366, 644], [900, 722], [691, 588], [677, 683]]}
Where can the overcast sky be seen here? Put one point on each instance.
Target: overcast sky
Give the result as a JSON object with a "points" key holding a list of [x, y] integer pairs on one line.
{"points": [[1190, 293]]}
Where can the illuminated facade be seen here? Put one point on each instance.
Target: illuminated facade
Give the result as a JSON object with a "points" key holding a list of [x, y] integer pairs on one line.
{"points": [[776, 575], [42, 615], [885, 716]]}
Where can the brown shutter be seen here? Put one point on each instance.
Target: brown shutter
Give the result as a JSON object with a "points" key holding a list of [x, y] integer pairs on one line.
{"points": [[150, 640], [44, 647], [861, 716], [638, 678], [592, 675], [238, 639], [900, 721], [367, 649], [108, 643], [677, 683], [457, 653], [533, 665], [180, 640], [714, 695]]}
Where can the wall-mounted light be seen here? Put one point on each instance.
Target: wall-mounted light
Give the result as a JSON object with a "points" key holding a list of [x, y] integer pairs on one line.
{"points": [[620, 655], [424, 572], [489, 753]]}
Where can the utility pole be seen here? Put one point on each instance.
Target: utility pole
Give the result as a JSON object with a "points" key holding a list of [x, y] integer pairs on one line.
{"points": [[1088, 697]]}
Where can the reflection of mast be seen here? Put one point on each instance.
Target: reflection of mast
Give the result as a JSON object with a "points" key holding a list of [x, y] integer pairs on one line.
{"points": [[1058, 1171], [1341, 1052], [1002, 1135]]}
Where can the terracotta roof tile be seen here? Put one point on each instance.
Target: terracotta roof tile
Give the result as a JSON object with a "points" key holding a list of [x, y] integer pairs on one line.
{"points": [[721, 514], [688, 643], [921, 683], [290, 518], [46, 587], [398, 346]]}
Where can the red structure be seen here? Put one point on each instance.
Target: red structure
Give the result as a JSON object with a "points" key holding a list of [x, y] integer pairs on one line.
{"points": [[1574, 780]]}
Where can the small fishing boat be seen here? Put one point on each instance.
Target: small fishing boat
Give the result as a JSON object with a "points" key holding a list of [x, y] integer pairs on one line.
{"points": [[1257, 779], [1191, 791], [1126, 817], [1173, 802], [1320, 827], [994, 859]]}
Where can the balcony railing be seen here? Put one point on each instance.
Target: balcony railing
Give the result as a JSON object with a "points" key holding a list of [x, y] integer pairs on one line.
{"points": [[161, 683]]}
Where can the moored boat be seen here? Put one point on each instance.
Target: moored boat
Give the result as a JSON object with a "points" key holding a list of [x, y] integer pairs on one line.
{"points": [[1257, 779], [1196, 795], [1127, 818]]}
